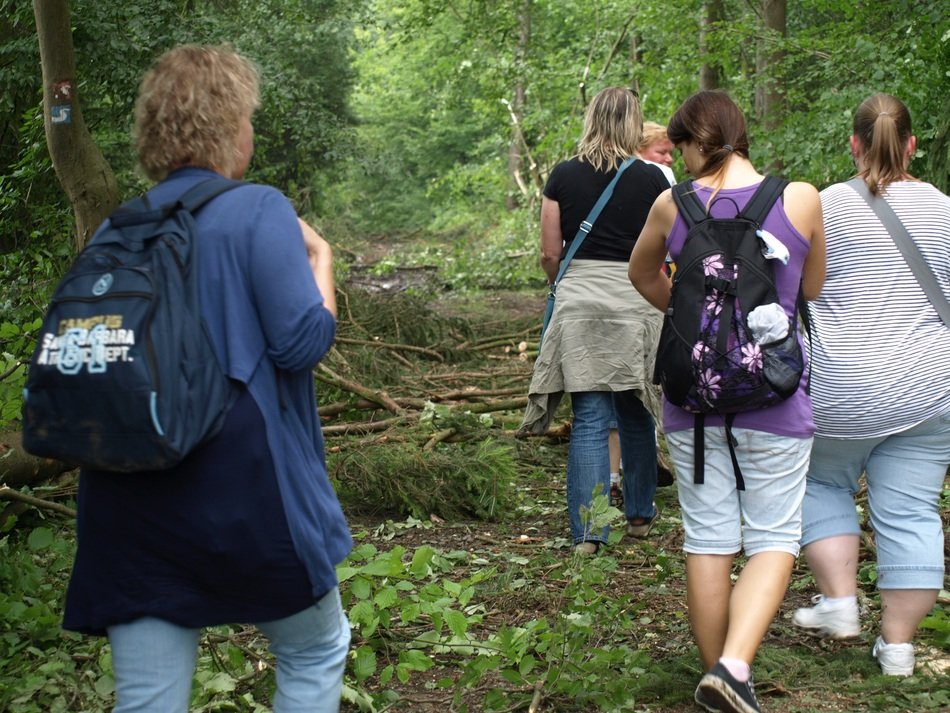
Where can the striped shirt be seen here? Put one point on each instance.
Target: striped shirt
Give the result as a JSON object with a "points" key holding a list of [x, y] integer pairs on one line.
{"points": [[880, 353]]}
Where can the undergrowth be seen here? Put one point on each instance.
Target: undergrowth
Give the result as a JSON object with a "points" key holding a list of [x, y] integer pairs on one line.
{"points": [[453, 481]]}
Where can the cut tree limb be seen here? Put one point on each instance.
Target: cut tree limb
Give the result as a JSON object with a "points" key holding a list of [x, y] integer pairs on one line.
{"points": [[431, 353], [328, 376], [19, 468], [7, 493]]}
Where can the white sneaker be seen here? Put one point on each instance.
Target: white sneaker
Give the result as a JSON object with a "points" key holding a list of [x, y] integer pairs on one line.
{"points": [[836, 621], [895, 659]]}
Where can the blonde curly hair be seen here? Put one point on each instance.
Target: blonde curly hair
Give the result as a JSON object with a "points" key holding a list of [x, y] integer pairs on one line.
{"points": [[190, 107], [652, 133]]}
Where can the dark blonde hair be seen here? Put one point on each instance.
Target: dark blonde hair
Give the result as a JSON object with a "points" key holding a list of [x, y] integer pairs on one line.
{"points": [[190, 107], [613, 124], [652, 133], [882, 127]]}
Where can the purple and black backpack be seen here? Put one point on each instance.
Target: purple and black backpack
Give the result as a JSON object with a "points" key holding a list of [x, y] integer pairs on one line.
{"points": [[711, 359]]}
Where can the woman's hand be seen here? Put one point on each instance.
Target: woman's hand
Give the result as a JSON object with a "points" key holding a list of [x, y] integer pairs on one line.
{"points": [[320, 256]]}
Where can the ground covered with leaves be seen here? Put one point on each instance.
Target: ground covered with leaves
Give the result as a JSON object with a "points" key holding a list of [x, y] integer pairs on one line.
{"points": [[497, 613], [462, 589]]}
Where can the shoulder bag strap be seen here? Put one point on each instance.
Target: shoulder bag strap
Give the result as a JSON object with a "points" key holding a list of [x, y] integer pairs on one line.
{"points": [[907, 246], [586, 225]]}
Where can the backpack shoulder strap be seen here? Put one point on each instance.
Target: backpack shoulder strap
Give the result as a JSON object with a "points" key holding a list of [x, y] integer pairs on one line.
{"points": [[763, 199], [688, 203], [139, 211], [198, 195]]}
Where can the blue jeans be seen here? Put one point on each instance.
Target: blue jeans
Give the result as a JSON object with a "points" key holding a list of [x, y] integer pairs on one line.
{"points": [[905, 473], [588, 458], [154, 661]]}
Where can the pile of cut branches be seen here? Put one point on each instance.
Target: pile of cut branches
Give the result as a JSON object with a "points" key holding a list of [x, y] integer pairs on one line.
{"points": [[420, 408]]}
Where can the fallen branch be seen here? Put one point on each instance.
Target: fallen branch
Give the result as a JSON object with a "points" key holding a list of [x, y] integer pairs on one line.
{"points": [[328, 376], [513, 336], [437, 438], [535, 704], [345, 429], [475, 393], [432, 354], [7, 493], [460, 396], [500, 405]]}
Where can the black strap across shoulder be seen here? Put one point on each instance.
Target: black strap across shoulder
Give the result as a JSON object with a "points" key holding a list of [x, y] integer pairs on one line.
{"points": [[198, 195], [688, 203], [763, 199], [756, 210]]}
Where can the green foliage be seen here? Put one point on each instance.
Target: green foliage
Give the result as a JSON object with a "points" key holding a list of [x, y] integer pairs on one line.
{"points": [[27, 278], [33, 652], [436, 80], [469, 479], [410, 610], [939, 622]]}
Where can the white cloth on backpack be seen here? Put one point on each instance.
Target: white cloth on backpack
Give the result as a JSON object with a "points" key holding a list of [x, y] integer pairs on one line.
{"points": [[768, 323]]}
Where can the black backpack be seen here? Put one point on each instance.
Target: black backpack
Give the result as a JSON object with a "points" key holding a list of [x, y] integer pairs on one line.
{"points": [[124, 377], [708, 359]]}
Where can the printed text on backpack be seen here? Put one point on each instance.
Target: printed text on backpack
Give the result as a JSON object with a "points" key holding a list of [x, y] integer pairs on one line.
{"points": [[124, 377]]}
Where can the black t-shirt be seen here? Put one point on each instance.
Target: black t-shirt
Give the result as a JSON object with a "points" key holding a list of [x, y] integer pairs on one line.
{"points": [[576, 186]]}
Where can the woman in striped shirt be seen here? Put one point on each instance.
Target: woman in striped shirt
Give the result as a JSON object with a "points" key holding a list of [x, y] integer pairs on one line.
{"points": [[880, 393]]}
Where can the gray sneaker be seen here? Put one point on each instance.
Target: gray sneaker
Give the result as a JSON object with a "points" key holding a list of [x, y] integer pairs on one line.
{"points": [[833, 621], [895, 659]]}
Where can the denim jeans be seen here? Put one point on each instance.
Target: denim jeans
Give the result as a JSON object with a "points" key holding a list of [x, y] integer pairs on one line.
{"points": [[588, 459], [905, 474], [154, 661]]}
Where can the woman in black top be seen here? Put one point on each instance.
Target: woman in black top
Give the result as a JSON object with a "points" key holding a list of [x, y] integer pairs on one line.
{"points": [[600, 343]]}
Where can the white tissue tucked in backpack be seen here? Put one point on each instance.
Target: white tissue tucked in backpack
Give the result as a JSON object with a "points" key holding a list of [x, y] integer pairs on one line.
{"points": [[768, 323]]}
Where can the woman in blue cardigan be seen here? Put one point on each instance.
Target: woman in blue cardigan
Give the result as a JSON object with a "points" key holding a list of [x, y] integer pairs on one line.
{"points": [[247, 528]]}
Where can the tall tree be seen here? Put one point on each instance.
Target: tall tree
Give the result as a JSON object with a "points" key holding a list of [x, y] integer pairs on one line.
{"points": [[769, 93], [710, 70], [80, 166], [517, 144]]}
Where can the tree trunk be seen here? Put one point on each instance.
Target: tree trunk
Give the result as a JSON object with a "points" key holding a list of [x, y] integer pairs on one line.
{"points": [[516, 109], [81, 168], [770, 99], [710, 70], [19, 468]]}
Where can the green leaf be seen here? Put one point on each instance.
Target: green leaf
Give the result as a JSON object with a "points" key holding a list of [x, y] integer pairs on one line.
{"points": [[364, 663], [105, 685], [415, 660], [361, 587], [386, 597], [456, 622], [221, 682], [40, 538], [343, 573], [420, 561]]}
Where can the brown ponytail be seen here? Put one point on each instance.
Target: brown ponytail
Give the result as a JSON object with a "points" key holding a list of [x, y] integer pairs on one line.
{"points": [[882, 128]]}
